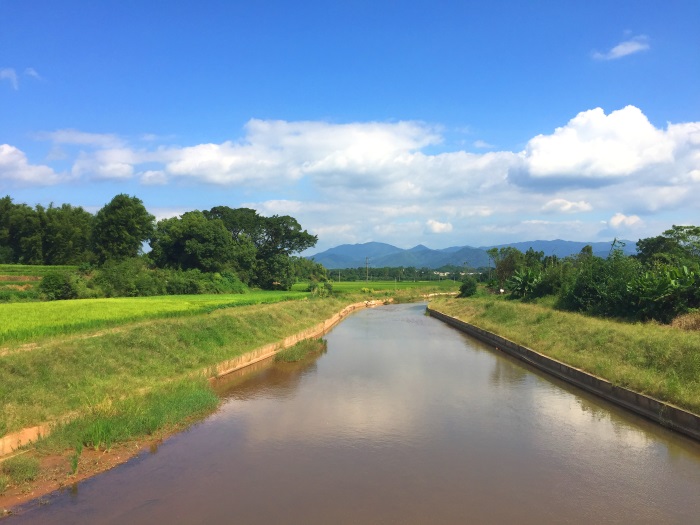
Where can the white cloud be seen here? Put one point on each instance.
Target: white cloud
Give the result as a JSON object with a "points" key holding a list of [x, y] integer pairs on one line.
{"points": [[15, 168], [31, 72], [565, 206], [636, 44], [10, 75], [598, 146], [434, 226], [620, 220], [381, 181], [153, 178], [75, 137], [481, 144]]}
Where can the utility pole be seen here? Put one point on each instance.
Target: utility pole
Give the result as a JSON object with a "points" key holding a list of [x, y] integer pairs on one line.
{"points": [[366, 269]]}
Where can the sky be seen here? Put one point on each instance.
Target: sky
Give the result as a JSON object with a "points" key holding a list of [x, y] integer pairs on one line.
{"points": [[443, 123]]}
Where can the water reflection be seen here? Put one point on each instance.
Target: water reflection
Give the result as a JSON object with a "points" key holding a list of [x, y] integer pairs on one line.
{"points": [[404, 420]]}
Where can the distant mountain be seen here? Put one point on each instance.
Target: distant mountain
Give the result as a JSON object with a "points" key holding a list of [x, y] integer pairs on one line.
{"points": [[381, 254]]}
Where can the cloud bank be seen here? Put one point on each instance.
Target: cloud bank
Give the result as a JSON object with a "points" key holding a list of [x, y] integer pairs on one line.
{"points": [[612, 171]]}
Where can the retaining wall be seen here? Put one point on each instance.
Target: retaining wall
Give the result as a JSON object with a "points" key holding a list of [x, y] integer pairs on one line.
{"points": [[663, 413]]}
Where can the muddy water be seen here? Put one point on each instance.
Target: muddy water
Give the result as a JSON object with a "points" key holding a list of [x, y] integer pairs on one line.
{"points": [[403, 420]]}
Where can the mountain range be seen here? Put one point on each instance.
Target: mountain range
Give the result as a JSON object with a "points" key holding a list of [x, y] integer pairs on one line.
{"points": [[380, 255]]}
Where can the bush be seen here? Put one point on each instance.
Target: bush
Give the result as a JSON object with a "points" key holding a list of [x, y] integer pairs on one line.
{"points": [[468, 287], [58, 286]]}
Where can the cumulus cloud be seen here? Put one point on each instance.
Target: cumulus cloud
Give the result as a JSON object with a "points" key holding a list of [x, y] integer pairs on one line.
{"points": [[619, 220], [10, 75], [382, 181], [599, 146], [15, 168], [634, 45], [565, 206], [434, 226]]}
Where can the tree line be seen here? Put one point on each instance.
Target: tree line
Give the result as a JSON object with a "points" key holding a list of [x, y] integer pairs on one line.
{"points": [[255, 250], [660, 282]]}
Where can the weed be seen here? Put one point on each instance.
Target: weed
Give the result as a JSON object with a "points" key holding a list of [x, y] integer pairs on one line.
{"points": [[4, 483], [21, 468]]}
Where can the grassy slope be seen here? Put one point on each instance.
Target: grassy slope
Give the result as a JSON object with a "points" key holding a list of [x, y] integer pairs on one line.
{"points": [[69, 375], [656, 360]]}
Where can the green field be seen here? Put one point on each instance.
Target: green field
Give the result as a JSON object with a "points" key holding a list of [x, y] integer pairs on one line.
{"points": [[32, 269], [443, 286], [27, 321]]}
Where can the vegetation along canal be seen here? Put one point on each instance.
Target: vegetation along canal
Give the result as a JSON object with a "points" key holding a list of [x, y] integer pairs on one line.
{"points": [[402, 420]]}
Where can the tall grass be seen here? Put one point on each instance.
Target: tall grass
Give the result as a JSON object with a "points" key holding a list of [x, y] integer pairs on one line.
{"points": [[135, 417], [653, 359]]}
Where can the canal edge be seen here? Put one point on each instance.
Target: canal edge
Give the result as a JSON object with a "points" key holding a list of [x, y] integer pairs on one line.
{"points": [[665, 414], [16, 440]]}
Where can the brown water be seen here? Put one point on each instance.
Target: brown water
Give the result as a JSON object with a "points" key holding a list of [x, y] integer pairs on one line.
{"points": [[403, 420]]}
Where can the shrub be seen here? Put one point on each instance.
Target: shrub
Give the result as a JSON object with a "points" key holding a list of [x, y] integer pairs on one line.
{"points": [[468, 287], [57, 286]]}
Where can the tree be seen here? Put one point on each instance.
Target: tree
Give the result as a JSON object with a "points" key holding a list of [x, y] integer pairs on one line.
{"points": [[66, 235], [678, 246], [120, 228], [192, 242], [507, 260], [275, 239]]}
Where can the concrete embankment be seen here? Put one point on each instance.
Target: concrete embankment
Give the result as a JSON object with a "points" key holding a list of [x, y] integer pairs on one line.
{"points": [[267, 351], [11, 442], [665, 414]]}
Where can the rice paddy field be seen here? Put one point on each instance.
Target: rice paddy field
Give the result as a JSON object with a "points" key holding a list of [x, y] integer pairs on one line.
{"points": [[22, 322], [18, 282]]}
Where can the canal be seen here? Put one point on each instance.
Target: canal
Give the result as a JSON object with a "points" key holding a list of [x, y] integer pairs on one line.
{"points": [[403, 420]]}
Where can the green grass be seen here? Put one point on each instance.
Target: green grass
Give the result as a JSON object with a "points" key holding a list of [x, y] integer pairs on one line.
{"points": [[20, 469], [63, 376], [384, 286], [133, 418], [656, 360], [29, 321], [32, 270], [300, 350]]}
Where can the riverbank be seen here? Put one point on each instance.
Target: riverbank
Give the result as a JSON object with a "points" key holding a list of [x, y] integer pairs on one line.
{"points": [[656, 360], [137, 385]]}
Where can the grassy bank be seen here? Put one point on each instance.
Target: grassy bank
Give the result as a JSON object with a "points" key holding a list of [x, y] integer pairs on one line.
{"points": [[657, 360], [73, 376]]}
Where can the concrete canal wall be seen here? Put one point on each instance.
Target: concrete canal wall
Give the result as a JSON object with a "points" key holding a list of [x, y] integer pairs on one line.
{"points": [[663, 413]]}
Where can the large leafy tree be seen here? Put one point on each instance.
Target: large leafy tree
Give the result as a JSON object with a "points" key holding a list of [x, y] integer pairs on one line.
{"points": [[20, 233], [264, 244], [193, 242], [66, 234], [120, 228]]}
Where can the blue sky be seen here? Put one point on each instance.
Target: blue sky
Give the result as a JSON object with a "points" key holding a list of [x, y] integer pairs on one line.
{"points": [[443, 123]]}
